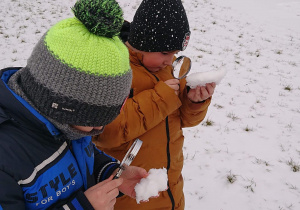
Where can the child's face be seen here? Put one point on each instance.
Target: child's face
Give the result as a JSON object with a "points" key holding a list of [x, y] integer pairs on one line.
{"points": [[154, 61], [86, 128]]}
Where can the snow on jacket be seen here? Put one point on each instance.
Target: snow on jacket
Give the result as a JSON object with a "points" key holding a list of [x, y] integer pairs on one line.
{"points": [[156, 115], [39, 168]]}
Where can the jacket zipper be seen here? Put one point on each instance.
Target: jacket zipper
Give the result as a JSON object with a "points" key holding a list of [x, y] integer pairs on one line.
{"points": [[169, 161], [168, 156]]}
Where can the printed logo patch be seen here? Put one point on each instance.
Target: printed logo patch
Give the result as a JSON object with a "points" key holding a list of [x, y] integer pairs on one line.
{"points": [[186, 40], [58, 107], [54, 105]]}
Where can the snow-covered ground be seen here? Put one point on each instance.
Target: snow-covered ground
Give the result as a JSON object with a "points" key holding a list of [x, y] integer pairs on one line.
{"points": [[246, 153]]}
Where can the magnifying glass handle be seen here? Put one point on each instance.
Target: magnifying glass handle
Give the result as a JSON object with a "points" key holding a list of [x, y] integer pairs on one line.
{"points": [[119, 172], [130, 155]]}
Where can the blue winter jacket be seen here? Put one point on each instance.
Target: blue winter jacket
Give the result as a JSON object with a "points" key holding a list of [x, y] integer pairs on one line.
{"points": [[39, 167]]}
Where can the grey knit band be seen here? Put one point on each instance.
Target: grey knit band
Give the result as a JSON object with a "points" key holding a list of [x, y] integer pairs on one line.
{"points": [[63, 80], [65, 109]]}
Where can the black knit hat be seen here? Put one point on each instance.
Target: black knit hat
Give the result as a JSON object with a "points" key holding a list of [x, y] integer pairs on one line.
{"points": [[159, 25]]}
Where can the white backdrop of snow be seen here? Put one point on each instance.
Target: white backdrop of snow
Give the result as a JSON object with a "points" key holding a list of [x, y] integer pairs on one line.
{"points": [[252, 129]]}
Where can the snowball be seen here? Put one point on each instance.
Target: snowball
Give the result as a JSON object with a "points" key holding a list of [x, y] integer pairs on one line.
{"points": [[156, 181], [201, 78]]}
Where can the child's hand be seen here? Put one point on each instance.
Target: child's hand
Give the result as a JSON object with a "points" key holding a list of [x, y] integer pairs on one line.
{"points": [[201, 93], [103, 195], [174, 84], [131, 176]]}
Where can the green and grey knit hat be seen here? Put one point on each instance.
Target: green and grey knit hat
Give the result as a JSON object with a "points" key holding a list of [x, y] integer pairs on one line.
{"points": [[79, 72]]}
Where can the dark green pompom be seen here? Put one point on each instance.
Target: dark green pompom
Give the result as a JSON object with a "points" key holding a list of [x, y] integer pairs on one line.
{"points": [[101, 17]]}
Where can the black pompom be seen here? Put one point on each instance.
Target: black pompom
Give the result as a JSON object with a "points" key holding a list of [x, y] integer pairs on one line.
{"points": [[125, 31]]}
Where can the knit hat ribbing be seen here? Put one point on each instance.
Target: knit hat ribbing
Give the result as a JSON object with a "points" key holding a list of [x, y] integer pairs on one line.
{"points": [[160, 25], [79, 73]]}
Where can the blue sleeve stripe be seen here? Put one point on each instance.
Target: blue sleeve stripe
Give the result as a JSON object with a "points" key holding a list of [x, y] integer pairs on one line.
{"points": [[1, 207], [76, 204]]}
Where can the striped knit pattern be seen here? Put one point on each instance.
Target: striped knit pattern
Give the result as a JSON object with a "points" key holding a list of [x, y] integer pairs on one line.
{"points": [[76, 77]]}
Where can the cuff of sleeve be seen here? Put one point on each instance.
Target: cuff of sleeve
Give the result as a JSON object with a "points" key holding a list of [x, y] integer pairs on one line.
{"points": [[120, 194], [197, 106], [200, 102], [107, 170]]}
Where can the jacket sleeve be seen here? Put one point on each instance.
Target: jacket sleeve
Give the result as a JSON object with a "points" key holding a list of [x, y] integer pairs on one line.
{"points": [[11, 194], [191, 113], [140, 113], [104, 165]]}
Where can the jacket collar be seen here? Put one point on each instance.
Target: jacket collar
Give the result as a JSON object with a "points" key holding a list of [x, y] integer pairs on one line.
{"points": [[136, 58], [16, 107]]}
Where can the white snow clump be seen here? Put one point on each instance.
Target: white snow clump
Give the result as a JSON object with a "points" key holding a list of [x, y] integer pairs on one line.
{"points": [[201, 78], [156, 181]]}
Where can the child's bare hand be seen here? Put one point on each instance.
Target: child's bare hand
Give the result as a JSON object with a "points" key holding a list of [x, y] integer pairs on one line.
{"points": [[174, 84], [131, 176], [103, 195], [201, 93]]}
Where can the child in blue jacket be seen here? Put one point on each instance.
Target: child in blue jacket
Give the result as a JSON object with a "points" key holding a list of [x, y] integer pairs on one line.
{"points": [[75, 82]]}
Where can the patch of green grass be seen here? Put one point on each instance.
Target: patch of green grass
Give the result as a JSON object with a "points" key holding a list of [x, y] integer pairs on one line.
{"points": [[293, 63], [218, 106], [260, 161], [294, 166], [266, 67], [288, 88], [292, 187], [248, 129], [231, 178], [251, 186], [232, 116], [208, 122]]}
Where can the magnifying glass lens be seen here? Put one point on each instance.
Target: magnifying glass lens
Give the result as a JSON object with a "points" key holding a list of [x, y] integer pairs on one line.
{"points": [[181, 67]]}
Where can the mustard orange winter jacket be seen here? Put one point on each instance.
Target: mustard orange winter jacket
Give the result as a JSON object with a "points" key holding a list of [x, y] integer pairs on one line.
{"points": [[156, 115]]}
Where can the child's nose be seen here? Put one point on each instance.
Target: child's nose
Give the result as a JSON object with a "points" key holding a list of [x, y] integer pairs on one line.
{"points": [[169, 61]]}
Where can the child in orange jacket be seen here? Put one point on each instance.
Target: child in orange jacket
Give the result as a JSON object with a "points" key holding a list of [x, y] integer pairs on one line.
{"points": [[159, 105]]}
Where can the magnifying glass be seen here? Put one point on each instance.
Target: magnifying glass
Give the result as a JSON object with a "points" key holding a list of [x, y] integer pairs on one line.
{"points": [[181, 67], [128, 158]]}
